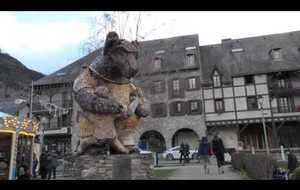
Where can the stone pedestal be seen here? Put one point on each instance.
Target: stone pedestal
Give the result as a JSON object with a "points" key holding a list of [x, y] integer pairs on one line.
{"points": [[113, 167]]}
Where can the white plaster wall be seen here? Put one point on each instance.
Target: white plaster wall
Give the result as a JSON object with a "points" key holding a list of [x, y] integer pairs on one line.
{"points": [[229, 104], [260, 78], [261, 89], [208, 93], [241, 103], [209, 106], [228, 92], [218, 93], [219, 117], [250, 90], [238, 81], [252, 114], [239, 91]]}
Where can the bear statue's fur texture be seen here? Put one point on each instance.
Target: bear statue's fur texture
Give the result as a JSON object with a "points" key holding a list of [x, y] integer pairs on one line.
{"points": [[104, 92]]}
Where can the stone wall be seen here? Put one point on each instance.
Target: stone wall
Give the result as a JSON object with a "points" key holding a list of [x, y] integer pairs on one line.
{"points": [[113, 167]]}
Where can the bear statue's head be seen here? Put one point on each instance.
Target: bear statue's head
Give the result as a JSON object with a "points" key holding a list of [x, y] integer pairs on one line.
{"points": [[119, 60]]}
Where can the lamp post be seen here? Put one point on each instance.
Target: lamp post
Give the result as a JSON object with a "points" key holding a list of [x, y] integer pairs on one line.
{"points": [[43, 123], [260, 101]]}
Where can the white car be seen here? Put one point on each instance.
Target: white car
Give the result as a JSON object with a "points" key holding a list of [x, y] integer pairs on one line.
{"points": [[144, 151], [173, 153]]}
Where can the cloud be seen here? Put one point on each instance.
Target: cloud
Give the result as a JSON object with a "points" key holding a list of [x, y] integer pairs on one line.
{"points": [[40, 38]]}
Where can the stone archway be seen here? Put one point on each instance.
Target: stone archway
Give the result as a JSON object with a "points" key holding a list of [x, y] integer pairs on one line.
{"points": [[185, 135], [153, 141]]}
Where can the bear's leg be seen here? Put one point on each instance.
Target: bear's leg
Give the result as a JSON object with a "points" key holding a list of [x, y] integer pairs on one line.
{"points": [[118, 146]]}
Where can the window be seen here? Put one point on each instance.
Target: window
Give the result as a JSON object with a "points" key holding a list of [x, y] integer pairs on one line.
{"points": [[249, 79], [194, 107], [252, 103], [190, 59], [192, 83], [219, 106], [284, 104], [158, 86], [282, 83], [276, 54], [176, 86], [157, 63], [158, 110], [177, 107], [216, 79]]}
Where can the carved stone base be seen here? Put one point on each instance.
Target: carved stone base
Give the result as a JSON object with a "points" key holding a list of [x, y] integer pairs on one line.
{"points": [[113, 167]]}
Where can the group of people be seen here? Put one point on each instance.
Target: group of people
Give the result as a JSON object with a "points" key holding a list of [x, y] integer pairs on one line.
{"points": [[47, 170], [206, 149], [184, 153], [48, 165]]}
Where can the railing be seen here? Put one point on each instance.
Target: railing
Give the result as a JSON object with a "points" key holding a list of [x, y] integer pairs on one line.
{"points": [[38, 107]]}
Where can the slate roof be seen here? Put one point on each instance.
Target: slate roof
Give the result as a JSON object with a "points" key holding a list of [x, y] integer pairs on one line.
{"points": [[174, 56], [254, 59], [70, 72]]}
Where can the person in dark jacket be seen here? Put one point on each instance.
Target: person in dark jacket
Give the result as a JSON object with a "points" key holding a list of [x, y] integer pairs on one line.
{"points": [[43, 165], [34, 165], [53, 163], [186, 153], [181, 152], [203, 153], [292, 162], [219, 150]]}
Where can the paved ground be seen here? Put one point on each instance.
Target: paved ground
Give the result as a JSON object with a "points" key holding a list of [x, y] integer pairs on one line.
{"points": [[195, 171]]}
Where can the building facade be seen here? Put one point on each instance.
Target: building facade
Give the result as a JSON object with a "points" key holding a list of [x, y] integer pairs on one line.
{"points": [[195, 90], [243, 72]]}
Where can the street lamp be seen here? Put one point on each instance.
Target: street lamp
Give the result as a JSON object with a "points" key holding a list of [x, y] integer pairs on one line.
{"points": [[260, 101]]}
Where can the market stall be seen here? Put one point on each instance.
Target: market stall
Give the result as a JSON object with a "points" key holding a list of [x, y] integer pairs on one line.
{"points": [[16, 145]]}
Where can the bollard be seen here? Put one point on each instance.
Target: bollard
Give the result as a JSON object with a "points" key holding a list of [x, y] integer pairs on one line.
{"points": [[282, 153], [252, 150]]}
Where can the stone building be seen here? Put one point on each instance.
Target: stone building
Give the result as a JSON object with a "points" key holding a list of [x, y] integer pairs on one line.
{"points": [[170, 78], [241, 72]]}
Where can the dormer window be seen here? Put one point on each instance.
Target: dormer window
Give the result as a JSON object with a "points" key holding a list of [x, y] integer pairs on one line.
{"points": [[190, 59], [276, 54], [157, 63], [216, 79]]}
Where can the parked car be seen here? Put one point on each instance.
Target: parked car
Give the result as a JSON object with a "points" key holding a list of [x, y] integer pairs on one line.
{"points": [[145, 151], [173, 154]]}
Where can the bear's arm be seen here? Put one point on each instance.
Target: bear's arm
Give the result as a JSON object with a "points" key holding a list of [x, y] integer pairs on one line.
{"points": [[141, 110], [85, 95]]}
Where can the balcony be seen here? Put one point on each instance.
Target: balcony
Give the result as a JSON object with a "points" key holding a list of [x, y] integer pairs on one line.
{"points": [[38, 107], [287, 90]]}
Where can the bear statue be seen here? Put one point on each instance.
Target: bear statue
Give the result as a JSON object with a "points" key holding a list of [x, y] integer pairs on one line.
{"points": [[111, 104]]}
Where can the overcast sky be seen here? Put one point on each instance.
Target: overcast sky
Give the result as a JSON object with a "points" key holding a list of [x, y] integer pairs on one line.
{"points": [[48, 41]]}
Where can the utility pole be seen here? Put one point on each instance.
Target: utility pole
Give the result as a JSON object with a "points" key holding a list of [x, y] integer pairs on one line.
{"points": [[264, 124]]}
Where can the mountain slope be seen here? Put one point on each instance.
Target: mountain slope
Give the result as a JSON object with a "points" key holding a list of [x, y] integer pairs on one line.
{"points": [[15, 78]]}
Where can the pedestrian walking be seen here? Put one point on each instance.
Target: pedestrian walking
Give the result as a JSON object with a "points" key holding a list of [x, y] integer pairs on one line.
{"points": [[34, 165], [219, 150], [43, 170], [53, 163], [292, 162], [186, 153], [203, 153], [181, 151]]}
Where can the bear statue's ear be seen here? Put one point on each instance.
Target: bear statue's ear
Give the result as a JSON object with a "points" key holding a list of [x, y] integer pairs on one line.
{"points": [[111, 39]]}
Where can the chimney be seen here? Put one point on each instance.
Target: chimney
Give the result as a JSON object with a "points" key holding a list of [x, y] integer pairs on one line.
{"points": [[226, 40]]}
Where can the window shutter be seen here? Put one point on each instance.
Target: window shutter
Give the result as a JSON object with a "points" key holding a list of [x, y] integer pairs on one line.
{"points": [[152, 90], [163, 83], [197, 83], [200, 107], [164, 109], [170, 89], [182, 87], [186, 109], [171, 108]]}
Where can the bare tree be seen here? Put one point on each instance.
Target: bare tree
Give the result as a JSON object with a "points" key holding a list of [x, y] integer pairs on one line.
{"points": [[127, 24]]}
